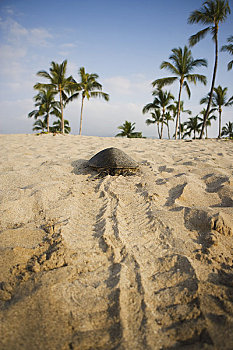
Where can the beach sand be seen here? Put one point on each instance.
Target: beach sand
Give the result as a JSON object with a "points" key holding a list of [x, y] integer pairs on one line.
{"points": [[115, 262]]}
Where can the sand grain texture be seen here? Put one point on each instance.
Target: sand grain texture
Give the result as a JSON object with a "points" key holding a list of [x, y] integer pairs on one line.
{"points": [[115, 262]]}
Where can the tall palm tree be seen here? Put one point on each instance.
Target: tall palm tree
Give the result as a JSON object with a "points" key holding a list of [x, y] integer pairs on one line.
{"points": [[161, 101], [88, 87], [219, 100], [182, 67], [46, 104], [228, 130], [58, 83], [156, 119], [39, 125], [127, 129], [211, 13], [192, 124], [209, 119], [229, 49]]}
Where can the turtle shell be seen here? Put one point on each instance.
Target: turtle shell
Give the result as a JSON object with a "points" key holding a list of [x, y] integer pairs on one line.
{"points": [[112, 158]]}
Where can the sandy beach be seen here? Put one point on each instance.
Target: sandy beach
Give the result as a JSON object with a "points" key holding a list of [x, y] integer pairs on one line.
{"points": [[116, 262]]}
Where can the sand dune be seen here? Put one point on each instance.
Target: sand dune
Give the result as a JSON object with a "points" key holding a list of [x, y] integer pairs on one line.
{"points": [[115, 262]]}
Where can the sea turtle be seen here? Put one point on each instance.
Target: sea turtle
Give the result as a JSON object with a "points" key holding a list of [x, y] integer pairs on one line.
{"points": [[113, 161]]}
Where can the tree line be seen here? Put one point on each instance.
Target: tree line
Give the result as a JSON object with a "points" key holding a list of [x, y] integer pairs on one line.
{"points": [[68, 89], [164, 108], [182, 65]]}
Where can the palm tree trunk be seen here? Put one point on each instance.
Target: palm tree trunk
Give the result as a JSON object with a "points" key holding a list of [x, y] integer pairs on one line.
{"points": [[168, 131], [158, 130], [220, 122], [48, 122], [81, 117], [206, 136], [162, 124], [178, 110], [213, 81], [61, 104], [161, 134]]}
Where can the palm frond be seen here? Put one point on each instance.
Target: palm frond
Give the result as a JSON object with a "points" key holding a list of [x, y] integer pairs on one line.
{"points": [[197, 77], [204, 100], [229, 102], [169, 67], [186, 86], [199, 16], [73, 97], [202, 62], [44, 74], [230, 65], [41, 86], [164, 81], [99, 94], [194, 39]]}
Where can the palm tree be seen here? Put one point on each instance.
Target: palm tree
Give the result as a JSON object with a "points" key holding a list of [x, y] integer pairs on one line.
{"points": [[57, 126], [128, 130], [156, 119], [182, 67], [209, 119], [39, 125], [229, 49], [181, 130], [192, 125], [228, 130], [219, 100], [211, 13], [162, 101], [58, 83], [88, 87], [46, 103]]}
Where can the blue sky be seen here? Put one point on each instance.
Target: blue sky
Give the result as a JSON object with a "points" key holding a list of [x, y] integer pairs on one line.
{"points": [[124, 42]]}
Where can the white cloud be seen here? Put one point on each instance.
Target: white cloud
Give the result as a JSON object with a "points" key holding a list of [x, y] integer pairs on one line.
{"points": [[9, 52], [118, 84], [17, 49], [18, 35], [127, 86], [14, 116], [69, 45]]}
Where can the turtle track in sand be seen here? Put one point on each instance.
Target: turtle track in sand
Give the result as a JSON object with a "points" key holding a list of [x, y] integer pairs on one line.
{"points": [[161, 309]]}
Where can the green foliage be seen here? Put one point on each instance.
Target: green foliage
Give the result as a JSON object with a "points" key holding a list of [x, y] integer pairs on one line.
{"points": [[211, 13], [192, 125], [227, 130], [219, 100], [229, 48], [209, 119], [160, 104], [58, 83], [127, 129], [182, 66], [39, 125], [46, 104], [56, 128]]}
